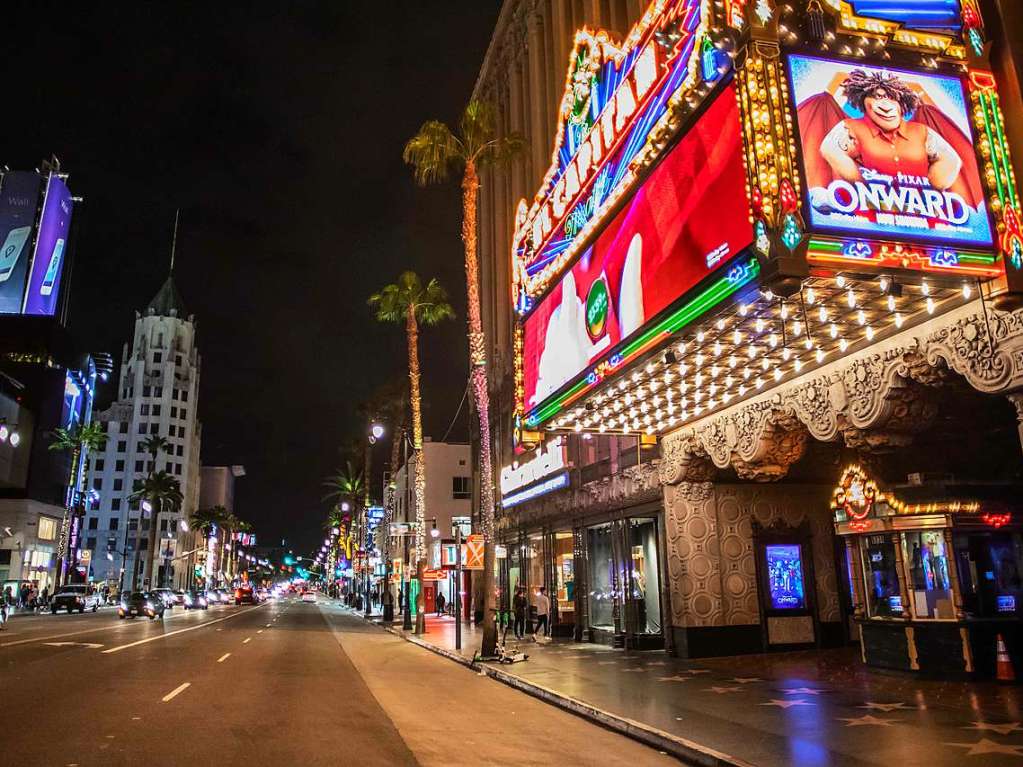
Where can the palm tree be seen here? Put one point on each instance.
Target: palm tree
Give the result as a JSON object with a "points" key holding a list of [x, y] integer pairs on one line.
{"points": [[79, 440], [162, 492], [433, 153], [153, 445], [345, 485], [415, 304], [205, 521]]}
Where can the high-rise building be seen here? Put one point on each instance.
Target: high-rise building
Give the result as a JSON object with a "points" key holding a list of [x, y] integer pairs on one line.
{"points": [[158, 396]]}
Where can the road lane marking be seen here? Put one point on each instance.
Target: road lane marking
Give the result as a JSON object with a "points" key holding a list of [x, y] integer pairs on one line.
{"points": [[247, 640], [179, 631], [268, 625], [114, 627], [223, 657], [176, 691], [90, 645]]}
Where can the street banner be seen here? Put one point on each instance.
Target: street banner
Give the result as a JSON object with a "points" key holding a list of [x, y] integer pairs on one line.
{"points": [[473, 553]]}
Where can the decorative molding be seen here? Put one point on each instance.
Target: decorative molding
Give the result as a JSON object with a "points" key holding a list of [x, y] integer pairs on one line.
{"points": [[874, 401]]}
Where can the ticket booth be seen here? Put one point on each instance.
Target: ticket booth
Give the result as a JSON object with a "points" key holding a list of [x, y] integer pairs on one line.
{"points": [[934, 571]]}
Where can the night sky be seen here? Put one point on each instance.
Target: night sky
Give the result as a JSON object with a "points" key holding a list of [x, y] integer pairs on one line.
{"points": [[277, 129]]}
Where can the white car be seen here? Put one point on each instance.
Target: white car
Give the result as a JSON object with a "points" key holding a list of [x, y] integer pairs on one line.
{"points": [[76, 596], [308, 596]]}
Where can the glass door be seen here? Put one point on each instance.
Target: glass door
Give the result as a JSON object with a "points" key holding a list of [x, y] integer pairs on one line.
{"points": [[641, 576]]}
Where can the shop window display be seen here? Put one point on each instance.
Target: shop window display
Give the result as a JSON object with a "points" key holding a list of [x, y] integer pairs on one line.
{"points": [[930, 587], [564, 576], [645, 581], [603, 577], [883, 596], [989, 573]]}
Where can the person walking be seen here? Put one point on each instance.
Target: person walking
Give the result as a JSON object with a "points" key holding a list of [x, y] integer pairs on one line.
{"points": [[519, 606], [440, 604], [543, 612]]}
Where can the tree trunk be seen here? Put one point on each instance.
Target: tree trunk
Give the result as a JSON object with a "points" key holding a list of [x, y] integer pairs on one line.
{"points": [[420, 473], [481, 396], [398, 434]]}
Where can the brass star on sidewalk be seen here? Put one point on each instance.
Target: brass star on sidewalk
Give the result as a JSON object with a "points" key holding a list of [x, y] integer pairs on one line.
{"points": [[886, 707], [722, 690], [673, 678], [1002, 729], [867, 720], [802, 690], [787, 703], [747, 679], [985, 746]]}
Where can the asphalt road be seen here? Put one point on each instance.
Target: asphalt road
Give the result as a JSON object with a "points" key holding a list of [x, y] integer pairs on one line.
{"points": [[279, 683]]}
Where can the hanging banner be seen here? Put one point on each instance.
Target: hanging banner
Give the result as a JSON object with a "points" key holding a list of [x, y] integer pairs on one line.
{"points": [[473, 553], [19, 198]]}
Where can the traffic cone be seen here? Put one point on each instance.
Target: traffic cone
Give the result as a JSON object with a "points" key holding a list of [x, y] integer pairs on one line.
{"points": [[1006, 673]]}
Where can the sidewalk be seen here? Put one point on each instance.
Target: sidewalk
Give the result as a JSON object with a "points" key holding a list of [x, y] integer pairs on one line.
{"points": [[802, 709]]}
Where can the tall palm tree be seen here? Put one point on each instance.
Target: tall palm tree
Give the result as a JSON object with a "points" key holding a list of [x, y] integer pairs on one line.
{"points": [[79, 440], [410, 301], [346, 484], [154, 445], [433, 153], [205, 521], [163, 493]]}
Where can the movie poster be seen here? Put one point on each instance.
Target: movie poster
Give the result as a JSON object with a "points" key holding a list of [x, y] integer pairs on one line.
{"points": [[688, 218], [785, 577], [888, 153]]}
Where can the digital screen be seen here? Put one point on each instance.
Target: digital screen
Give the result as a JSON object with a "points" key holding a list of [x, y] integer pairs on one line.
{"points": [[785, 577], [678, 228], [51, 249], [888, 153], [19, 198], [1006, 604], [71, 410], [895, 604]]}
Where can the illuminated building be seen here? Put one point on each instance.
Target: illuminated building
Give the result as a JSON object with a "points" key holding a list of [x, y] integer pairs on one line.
{"points": [[771, 237], [158, 396]]}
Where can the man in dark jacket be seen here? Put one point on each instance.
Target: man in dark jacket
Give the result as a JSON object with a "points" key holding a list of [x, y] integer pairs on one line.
{"points": [[519, 606]]}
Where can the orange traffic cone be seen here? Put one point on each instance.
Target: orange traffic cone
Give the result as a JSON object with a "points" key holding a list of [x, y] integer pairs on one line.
{"points": [[1004, 665]]}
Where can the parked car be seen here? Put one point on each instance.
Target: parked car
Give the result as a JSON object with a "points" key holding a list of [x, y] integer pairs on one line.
{"points": [[76, 596], [141, 603], [195, 600]]}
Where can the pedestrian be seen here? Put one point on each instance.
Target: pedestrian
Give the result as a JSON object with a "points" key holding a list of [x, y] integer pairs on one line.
{"points": [[440, 604], [46, 595], [519, 606], [23, 597], [543, 612]]}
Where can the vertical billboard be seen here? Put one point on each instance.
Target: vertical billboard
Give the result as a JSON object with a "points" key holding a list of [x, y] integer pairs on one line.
{"points": [[677, 229], [51, 243], [888, 153], [785, 577], [19, 198]]}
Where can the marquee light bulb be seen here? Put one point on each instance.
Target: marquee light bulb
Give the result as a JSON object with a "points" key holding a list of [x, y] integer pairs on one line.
{"points": [[777, 374], [743, 310], [736, 337], [870, 333], [811, 296], [773, 340], [732, 361], [884, 282], [891, 303], [786, 353], [784, 311], [930, 305], [797, 328], [699, 337], [798, 365], [765, 363], [720, 324], [822, 313], [850, 298], [843, 344], [760, 325], [925, 288], [861, 317], [751, 352], [699, 359], [840, 280], [820, 356], [717, 348], [967, 292], [833, 330], [808, 344]]}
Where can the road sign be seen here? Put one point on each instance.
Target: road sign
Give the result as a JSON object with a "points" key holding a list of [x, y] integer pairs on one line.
{"points": [[434, 575], [473, 552]]}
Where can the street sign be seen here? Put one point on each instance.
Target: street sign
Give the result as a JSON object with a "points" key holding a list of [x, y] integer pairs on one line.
{"points": [[397, 529], [473, 553], [434, 575], [86, 557]]}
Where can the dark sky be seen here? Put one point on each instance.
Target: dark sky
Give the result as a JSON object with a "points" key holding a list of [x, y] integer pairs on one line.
{"points": [[277, 128]]}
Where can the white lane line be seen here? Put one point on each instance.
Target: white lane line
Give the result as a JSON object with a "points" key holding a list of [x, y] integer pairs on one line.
{"points": [[115, 627], [268, 625], [260, 631], [176, 691], [179, 631], [223, 657], [247, 640]]}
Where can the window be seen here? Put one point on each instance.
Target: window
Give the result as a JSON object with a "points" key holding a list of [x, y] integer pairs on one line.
{"points": [[929, 584], [133, 504], [114, 522], [90, 543], [144, 409], [884, 600], [119, 466], [157, 358], [460, 488], [100, 463], [184, 413], [97, 484], [174, 410], [184, 396], [156, 410], [142, 428], [140, 466], [93, 523], [174, 394], [177, 469], [180, 451], [118, 484], [163, 525], [144, 544], [159, 391], [133, 524], [123, 428], [154, 428], [115, 505], [47, 529], [122, 447], [94, 505], [146, 522], [147, 391], [178, 360]]}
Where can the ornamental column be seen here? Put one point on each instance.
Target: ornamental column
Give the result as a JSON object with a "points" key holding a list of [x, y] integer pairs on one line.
{"points": [[537, 96]]}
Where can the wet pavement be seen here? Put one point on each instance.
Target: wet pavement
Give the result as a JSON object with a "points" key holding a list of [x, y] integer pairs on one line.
{"points": [[805, 708]]}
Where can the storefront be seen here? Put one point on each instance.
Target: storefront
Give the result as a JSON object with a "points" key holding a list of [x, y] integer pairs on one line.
{"points": [[935, 573]]}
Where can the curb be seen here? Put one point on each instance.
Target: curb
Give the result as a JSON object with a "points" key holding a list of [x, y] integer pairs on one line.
{"points": [[686, 751]]}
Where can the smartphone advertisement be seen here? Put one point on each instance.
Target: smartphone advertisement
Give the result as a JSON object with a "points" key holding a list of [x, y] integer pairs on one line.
{"points": [[44, 282], [686, 220], [19, 197]]}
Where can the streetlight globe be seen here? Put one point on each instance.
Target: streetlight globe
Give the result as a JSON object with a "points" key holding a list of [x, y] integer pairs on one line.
{"points": [[147, 506], [377, 431], [4, 432], [345, 506], [434, 533], [15, 439]]}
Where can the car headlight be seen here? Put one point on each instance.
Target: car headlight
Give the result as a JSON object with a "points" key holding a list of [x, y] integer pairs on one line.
{"points": [[149, 605], [187, 600], [202, 601]]}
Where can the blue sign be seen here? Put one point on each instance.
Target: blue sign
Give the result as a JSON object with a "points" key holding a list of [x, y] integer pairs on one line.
{"points": [[785, 577], [51, 247], [936, 15], [19, 199]]}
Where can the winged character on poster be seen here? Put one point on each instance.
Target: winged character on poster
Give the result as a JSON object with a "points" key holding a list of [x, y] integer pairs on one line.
{"points": [[888, 152]]}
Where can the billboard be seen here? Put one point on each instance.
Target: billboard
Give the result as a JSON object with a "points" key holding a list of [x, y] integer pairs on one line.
{"points": [[679, 226], [929, 15], [888, 153], [44, 281], [19, 198], [785, 577]]}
